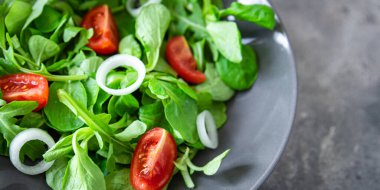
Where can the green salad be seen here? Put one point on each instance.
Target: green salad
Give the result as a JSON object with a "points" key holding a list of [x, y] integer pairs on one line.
{"points": [[120, 94]]}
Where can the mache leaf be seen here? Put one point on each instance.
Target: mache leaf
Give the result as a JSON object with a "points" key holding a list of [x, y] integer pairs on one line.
{"points": [[2, 30], [157, 89], [119, 180], [261, 15], [37, 9], [71, 32], [49, 20], [59, 116], [216, 108], [91, 120], [32, 120], [83, 173], [60, 149], [42, 48], [8, 128], [212, 167], [227, 39], [17, 15], [134, 130], [129, 45], [239, 76], [152, 114], [214, 85], [151, 26], [181, 112], [56, 174]]}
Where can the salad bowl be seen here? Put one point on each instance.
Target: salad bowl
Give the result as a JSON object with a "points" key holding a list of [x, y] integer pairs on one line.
{"points": [[257, 129]]}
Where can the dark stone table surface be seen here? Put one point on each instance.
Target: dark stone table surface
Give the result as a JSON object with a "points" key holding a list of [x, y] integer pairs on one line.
{"points": [[335, 142]]}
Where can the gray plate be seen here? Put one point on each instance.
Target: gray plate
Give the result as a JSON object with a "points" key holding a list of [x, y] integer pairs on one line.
{"points": [[258, 126]]}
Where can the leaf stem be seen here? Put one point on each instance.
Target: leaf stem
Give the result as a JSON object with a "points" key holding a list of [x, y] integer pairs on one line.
{"points": [[65, 77], [118, 9], [88, 118], [25, 59], [192, 166], [48, 76], [187, 178], [51, 77]]}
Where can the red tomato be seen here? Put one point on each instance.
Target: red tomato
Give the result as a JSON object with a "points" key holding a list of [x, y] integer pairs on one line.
{"points": [[25, 87], [153, 160], [106, 37], [182, 60]]}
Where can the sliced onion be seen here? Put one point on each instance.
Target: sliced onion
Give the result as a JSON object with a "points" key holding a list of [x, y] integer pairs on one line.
{"points": [[118, 61], [19, 141], [249, 2], [135, 11], [207, 131]]}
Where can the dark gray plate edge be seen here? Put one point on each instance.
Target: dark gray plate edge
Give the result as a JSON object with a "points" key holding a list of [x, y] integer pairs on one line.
{"points": [[285, 141]]}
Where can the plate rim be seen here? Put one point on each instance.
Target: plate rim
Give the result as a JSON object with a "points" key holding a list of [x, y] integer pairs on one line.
{"points": [[294, 102]]}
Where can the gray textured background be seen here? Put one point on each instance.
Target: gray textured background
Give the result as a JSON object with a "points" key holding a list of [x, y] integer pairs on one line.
{"points": [[335, 143]]}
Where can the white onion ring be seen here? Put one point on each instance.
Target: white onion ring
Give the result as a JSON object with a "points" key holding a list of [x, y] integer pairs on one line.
{"points": [[19, 141], [135, 11], [209, 136], [250, 2], [117, 61]]}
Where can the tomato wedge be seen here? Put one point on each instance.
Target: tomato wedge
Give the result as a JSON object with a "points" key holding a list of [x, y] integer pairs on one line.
{"points": [[181, 59], [25, 87], [105, 40], [153, 160]]}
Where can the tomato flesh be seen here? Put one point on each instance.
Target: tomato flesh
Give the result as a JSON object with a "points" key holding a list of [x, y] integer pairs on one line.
{"points": [[181, 59], [105, 40], [25, 87], [153, 160]]}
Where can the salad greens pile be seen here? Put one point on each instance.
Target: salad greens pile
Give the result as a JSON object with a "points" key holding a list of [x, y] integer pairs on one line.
{"points": [[97, 132]]}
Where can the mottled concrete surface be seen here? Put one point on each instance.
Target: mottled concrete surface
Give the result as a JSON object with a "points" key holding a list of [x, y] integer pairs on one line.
{"points": [[335, 143]]}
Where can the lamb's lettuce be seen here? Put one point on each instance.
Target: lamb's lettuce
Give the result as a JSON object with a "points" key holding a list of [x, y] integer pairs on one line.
{"points": [[56, 174], [119, 180], [239, 76], [152, 114], [214, 85], [17, 15], [134, 130], [129, 45], [42, 48], [49, 20], [151, 26], [9, 129], [229, 47], [82, 172], [37, 9], [59, 116], [261, 15], [186, 167]]}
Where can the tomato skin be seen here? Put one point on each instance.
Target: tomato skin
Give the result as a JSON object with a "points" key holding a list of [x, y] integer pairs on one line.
{"points": [[153, 160], [25, 87], [105, 40], [181, 59]]}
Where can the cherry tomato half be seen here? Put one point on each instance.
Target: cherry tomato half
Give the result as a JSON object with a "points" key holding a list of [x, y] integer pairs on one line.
{"points": [[25, 87], [182, 60], [153, 160], [105, 40]]}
